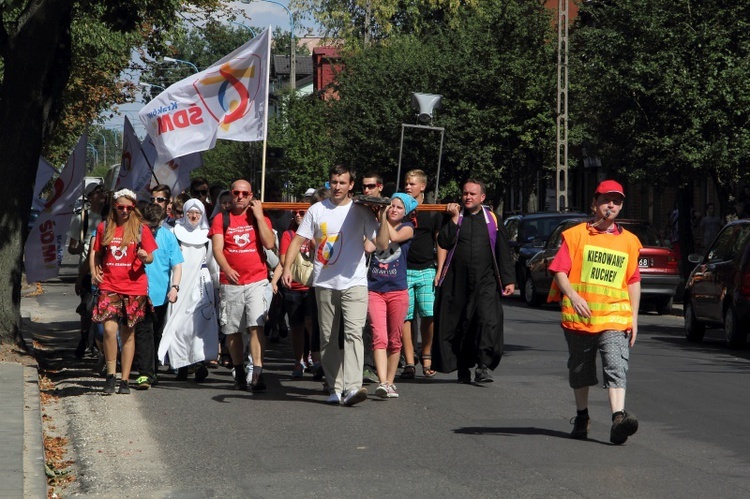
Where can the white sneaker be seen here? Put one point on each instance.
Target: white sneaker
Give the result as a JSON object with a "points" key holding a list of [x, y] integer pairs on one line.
{"points": [[392, 393], [333, 398], [355, 397], [382, 391]]}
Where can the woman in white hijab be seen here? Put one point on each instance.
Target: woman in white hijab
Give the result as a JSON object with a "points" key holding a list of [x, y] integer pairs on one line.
{"points": [[191, 334]]}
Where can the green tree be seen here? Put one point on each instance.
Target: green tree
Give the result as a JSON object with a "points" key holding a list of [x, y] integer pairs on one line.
{"points": [[494, 67], [663, 90], [54, 55], [301, 130]]}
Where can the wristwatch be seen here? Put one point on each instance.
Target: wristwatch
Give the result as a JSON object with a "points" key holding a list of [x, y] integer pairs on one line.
{"points": [[177, 287]]}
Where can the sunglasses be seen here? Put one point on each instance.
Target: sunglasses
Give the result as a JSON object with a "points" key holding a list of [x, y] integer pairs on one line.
{"points": [[124, 207], [202, 192], [369, 186], [159, 199], [300, 213], [238, 194]]}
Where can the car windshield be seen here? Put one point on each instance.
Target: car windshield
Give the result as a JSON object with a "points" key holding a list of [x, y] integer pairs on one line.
{"points": [[540, 228], [646, 234]]}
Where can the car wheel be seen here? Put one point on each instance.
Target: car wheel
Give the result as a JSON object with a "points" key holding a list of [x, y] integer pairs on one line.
{"points": [[664, 306], [530, 295], [735, 337], [694, 330]]}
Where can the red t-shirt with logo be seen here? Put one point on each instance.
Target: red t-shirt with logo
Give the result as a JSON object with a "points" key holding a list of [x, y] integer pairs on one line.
{"points": [[122, 271], [243, 248]]}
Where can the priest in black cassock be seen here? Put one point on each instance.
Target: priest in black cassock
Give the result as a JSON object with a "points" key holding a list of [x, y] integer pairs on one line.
{"points": [[475, 269]]}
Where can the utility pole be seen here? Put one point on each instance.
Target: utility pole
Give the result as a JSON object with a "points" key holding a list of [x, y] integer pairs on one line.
{"points": [[561, 171]]}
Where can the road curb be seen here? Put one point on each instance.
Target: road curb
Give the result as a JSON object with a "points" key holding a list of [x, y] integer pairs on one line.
{"points": [[34, 476]]}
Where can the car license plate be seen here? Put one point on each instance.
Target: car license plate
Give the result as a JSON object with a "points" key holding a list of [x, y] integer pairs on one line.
{"points": [[643, 262]]}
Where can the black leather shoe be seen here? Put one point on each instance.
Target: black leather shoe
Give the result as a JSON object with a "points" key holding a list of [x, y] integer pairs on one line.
{"points": [[482, 375]]}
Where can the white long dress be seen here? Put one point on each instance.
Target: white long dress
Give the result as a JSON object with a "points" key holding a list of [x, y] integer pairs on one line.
{"points": [[191, 333]]}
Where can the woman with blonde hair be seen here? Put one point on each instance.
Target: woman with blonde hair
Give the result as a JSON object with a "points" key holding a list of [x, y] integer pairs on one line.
{"points": [[120, 251]]}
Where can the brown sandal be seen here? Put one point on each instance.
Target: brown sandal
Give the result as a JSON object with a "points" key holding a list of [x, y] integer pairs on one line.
{"points": [[427, 370]]}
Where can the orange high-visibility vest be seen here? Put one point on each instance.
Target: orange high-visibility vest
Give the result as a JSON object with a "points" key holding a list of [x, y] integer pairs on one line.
{"points": [[602, 265]]}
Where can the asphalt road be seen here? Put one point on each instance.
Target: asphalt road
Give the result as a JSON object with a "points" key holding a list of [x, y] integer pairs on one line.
{"points": [[439, 439]]}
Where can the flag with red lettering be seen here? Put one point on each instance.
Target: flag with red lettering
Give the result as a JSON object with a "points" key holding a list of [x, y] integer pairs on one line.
{"points": [[44, 246], [135, 166], [228, 101]]}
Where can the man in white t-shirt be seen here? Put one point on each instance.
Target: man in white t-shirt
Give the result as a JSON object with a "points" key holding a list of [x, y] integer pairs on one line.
{"points": [[338, 228]]}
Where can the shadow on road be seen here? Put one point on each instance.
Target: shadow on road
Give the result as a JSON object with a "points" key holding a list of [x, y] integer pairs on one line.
{"points": [[510, 431]]}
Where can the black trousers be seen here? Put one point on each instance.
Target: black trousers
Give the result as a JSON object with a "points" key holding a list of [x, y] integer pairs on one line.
{"points": [[147, 338]]}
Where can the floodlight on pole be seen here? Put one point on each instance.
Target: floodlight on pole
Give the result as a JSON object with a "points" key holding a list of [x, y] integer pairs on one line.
{"points": [[172, 59], [425, 104]]}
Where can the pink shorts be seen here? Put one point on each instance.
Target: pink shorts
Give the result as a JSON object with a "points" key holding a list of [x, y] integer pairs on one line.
{"points": [[387, 312]]}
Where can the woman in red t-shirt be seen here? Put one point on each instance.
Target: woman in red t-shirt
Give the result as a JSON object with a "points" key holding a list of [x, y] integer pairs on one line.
{"points": [[299, 303], [121, 249]]}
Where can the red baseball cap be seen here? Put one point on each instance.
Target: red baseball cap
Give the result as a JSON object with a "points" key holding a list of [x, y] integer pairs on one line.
{"points": [[608, 186]]}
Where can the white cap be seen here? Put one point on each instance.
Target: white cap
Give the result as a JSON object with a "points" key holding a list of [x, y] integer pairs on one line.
{"points": [[309, 192], [90, 186]]}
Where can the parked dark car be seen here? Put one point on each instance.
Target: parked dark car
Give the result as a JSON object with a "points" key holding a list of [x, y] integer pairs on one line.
{"points": [[527, 233], [660, 275], [717, 293]]}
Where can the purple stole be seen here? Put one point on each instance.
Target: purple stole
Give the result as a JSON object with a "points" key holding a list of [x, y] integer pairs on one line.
{"points": [[491, 219]]}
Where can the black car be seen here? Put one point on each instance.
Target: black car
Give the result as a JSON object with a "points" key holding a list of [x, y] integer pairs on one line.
{"points": [[717, 292], [524, 230], [657, 263]]}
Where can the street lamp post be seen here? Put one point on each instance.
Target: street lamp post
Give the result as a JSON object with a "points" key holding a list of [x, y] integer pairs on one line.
{"points": [[96, 153], [293, 50], [244, 26], [104, 141], [172, 59]]}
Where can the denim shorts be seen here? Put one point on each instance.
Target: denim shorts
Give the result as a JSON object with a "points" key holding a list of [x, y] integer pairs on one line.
{"points": [[614, 348]]}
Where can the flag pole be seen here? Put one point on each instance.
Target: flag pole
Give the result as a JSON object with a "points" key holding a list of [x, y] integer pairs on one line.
{"points": [[265, 121], [150, 167]]}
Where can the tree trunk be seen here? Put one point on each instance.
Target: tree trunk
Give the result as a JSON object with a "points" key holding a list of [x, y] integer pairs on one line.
{"points": [[37, 57]]}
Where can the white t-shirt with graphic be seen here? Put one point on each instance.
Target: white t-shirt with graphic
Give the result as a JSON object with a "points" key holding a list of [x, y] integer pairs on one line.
{"points": [[339, 234]]}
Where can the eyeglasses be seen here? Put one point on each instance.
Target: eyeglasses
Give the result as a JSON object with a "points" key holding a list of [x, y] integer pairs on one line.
{"points": [[300, 213], [239, 194], [202, 192], [369, 186], [124, 207], [159, 199]]}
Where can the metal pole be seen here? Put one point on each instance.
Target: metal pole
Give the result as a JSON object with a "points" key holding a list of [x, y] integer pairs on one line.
{"points": [[440, 157], [561, 170], [400, 149]]}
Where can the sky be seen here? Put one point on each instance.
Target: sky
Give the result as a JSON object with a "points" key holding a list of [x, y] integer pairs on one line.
{"points": [[259, 13]]}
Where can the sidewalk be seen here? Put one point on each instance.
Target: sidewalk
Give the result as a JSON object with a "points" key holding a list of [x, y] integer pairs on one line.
{"points": [[22, 462]]}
